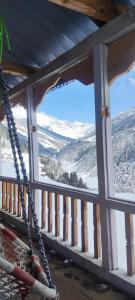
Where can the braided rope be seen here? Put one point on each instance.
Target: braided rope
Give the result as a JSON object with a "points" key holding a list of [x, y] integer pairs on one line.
{"points": [[16, 149]]}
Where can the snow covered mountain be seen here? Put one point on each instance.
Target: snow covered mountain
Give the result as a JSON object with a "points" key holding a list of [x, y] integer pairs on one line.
{"points": [[74, 130], [53, 134], [71, 146]]}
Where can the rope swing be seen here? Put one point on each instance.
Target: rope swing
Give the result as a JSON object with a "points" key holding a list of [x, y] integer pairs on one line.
{"points": [[20, 270]]}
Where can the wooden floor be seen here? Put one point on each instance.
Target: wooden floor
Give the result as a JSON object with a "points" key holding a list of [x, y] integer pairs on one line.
{"points": [[74, 283]]}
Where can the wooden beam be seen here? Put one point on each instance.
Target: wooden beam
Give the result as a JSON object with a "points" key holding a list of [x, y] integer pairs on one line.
{"points": [[104, 157], [18, 69], [102, 10], [108, 33]]}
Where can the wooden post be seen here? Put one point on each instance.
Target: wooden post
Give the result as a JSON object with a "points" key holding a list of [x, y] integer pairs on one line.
{"points": [[50, 212], [57, 214], [65, 218], [3, 195], [33, 150], [43, 224], [97, 231], [130, 249], [74, 224], [104, 157], [84, 225]]}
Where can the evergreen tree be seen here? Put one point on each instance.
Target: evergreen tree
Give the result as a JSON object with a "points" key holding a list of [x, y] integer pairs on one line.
{"points": [[64, 178], [81, 184], [73, 180]]}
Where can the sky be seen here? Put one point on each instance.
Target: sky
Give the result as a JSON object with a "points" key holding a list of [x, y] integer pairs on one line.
{"points": [[75, 101]]}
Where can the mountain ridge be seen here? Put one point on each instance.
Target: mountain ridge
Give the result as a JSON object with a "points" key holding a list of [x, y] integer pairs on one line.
{"points": [[79, 154]]}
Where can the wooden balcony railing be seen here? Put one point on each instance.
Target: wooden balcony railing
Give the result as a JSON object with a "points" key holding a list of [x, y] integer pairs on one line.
{"points": [[58, 211], [64, 217]]}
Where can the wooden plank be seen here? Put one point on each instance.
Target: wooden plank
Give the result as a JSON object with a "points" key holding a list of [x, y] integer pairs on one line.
{"points": [[84, 225], [33, 151], [104, 157], [49, 212], [108, 33], [65, 218], [43, 220], [14, 68], [57, 214], [130, 249], [73, 193], [32, 137], [97, 231], [3, 195], [121, 205], [102, 10], [74, 224], [9, 179]]}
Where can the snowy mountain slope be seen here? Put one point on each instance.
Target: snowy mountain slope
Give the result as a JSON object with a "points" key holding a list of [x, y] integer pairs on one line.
{"points": [[64, 128], [74, 130], [53, 134], [77, 151]]}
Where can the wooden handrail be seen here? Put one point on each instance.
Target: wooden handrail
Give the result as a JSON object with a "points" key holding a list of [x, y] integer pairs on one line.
{"points": [[69, 192]]}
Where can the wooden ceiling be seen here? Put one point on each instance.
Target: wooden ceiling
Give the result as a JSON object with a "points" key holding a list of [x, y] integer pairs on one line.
{"points": [[102, 10]]}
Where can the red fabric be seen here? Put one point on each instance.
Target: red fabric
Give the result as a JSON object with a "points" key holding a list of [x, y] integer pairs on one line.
{"points": [[38, 268], [10, 234], [23, 276]]}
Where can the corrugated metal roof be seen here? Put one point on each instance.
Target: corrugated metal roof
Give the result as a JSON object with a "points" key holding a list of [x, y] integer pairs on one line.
{"points": [[41, 31]]}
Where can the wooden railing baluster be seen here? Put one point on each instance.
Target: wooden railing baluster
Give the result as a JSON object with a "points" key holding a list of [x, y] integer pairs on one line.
{"points": [[130, 249], [14, 198], [49, 212], [7, 196], [10, 197], [25, 196], [57, 214], [43, 219], [74, 225], [84, 227], [3, 195], [97, 231], [18, 205], [65, 218]]}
